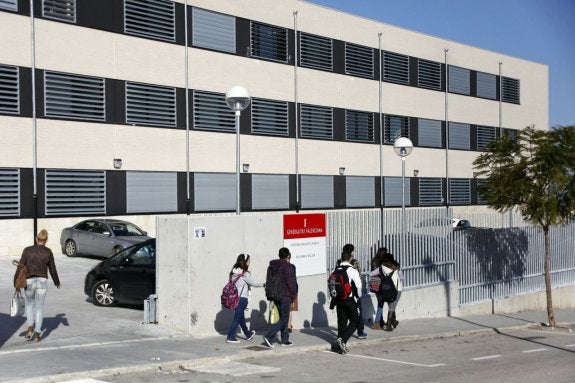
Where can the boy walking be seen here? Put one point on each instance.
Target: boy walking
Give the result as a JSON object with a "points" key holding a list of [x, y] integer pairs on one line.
{"points": [[286, 293], [347, 314]]}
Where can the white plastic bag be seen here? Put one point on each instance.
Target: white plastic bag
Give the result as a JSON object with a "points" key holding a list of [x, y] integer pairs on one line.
{"points": [[17, 304]]}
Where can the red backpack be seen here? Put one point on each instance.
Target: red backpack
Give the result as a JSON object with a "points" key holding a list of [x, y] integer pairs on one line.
{"points": [[230, 297]]}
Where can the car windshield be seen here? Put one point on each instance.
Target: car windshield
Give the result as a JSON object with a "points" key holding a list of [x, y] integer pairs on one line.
{"points": [[125, 229], [143, 252]]}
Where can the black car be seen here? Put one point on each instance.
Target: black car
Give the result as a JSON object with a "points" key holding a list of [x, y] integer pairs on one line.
{"points": [[127, 277]]}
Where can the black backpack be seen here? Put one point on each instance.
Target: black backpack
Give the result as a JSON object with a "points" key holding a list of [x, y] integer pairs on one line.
{"points": [[387, 289], [273, 285], [338, 284]]}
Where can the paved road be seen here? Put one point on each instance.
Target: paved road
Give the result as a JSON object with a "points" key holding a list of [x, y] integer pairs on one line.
{"points": [[523, 356], [84, 341]]}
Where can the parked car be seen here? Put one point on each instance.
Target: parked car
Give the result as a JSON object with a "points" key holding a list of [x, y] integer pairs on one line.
{"points": [[100, 237], [461, 224], [127, 277], [440, 226]]}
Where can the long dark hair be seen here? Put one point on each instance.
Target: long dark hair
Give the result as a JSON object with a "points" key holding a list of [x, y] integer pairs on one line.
{"points": [[241, 263]]}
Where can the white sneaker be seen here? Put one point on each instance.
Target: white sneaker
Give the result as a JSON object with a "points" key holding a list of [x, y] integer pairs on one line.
{"points": [[268, 342], [232, 341]]}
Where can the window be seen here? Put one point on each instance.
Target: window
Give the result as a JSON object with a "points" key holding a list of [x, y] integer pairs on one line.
{"points": [[270, 117], [459, 80], [459, 136], [9, 89], [486, 85], [395, 67], [150, 104], [72, 96], [214, 191], [316, 192], [63, 10], [512, 133], [510, 88], [316, 122], [358, 60], [270, 191], [459, 191], [269, 42], [480, 199], [360, 191], [359, 126], [9, 192], [150, 18], [394, 191], [429, 74], [485, 134], [315, 52], [9, 5], [213, 30], [151, 192], [75, 192], [430, 191], [429, 133], [212, 113], [395, 127]]}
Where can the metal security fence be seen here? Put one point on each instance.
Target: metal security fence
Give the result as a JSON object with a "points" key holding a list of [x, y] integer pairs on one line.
{"points": [[500, 256]]}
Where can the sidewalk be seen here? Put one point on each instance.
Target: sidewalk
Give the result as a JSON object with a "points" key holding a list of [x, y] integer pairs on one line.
{"points": [[133, 347]]}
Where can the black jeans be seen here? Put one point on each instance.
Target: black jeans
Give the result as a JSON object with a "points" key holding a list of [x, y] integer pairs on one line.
{"points": [[346, 319]]}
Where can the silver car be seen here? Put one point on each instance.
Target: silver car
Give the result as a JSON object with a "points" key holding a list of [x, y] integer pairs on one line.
{"points": [[100, 237]]}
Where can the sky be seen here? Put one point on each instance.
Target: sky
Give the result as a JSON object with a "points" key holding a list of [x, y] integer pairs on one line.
{"points": [[537, 30]]}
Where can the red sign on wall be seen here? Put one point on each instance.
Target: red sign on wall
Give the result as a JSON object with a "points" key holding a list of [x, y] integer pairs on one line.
{"points": [[304, 236], [304, 226]]}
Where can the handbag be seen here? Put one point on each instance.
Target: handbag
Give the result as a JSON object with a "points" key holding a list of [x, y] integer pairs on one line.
{"points": [[20, 282], [17, 304], [274, 314]]}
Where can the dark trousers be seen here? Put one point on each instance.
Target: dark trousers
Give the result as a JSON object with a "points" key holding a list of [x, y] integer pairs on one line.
{"points": [[360, 324], [281, 325], [346, 319]]}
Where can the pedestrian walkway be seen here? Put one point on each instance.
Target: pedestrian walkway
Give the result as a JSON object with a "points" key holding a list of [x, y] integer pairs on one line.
{"points": [[138, 347]]}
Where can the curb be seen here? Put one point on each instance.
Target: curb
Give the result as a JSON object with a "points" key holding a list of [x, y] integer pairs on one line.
{"points": [[245, 353]]}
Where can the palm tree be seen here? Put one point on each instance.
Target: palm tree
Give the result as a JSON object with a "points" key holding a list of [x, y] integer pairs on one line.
{"points": [[534, 173]]}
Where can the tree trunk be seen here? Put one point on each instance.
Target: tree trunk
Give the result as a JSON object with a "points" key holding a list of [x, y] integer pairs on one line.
{"points": [[550, 315]]}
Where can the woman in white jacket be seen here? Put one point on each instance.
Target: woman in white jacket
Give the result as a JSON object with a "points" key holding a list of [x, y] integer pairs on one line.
{"points": [[388, 266], [244, 282]]}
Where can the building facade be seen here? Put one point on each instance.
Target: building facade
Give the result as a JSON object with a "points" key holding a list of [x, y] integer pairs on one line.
{"points": [[117, 108]]}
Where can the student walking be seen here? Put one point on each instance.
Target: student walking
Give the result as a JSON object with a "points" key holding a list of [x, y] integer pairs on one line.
{"points": [[391, 267], [361, 334], [244, 282], [376, 263], [346, 308], [281, 288], [39, 260]]}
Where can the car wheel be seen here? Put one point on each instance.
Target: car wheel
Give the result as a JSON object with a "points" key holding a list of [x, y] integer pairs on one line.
{"points": [[117, 249], [103, 294], [70, 248]]}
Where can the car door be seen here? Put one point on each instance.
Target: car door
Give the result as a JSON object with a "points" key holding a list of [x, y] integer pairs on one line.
{"points": [[101, 243], [82, 235], [135, 275]]}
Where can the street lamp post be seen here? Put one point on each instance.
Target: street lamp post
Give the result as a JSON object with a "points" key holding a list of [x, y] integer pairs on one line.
{"points": [[237, 99], [402, 147]]}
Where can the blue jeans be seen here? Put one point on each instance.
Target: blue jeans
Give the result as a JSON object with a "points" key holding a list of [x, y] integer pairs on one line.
{"points": [[34, 296], [281, 325], [239, 320]]}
